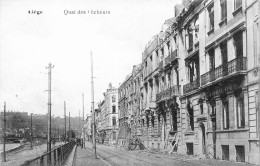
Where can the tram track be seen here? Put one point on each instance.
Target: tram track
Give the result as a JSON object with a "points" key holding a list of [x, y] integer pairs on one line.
{"points": [[131, 159]]}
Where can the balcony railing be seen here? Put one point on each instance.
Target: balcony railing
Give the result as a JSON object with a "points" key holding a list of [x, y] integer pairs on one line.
{"points": [[238, 64], [167, 93], [191, 86]]}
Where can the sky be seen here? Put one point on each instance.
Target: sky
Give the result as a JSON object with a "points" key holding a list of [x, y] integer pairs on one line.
{"points": [[29, 42]]}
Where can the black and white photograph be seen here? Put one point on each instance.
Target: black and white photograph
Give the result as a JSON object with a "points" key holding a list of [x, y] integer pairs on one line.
{"points": [[129, 82]]}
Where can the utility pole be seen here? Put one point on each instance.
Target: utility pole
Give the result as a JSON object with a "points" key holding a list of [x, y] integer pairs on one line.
{"points": [[49, 112], [69, 127], [4, 157], [93, 108], [65, 134], [31, 132], [83, 121]]}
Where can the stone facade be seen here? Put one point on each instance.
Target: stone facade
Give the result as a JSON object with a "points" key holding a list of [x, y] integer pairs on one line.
{"points": [[199, 83], [108, 113]]}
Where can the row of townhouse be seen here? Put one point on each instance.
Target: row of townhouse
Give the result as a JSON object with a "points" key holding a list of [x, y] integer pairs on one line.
{"points": [[197, 85]]}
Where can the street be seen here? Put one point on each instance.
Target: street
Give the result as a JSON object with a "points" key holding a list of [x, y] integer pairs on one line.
{"points": [[118, 156]]}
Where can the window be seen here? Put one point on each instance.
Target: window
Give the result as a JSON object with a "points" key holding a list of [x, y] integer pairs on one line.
{"points": [[225, 152], [237, 4], [240, 113], [224, 56], [238, 42], [174, 120], [211, 59], [223, 6], [201, 108], [157, 58], [225, 115], [113, 109], [197, 31], [211, 17], [114, 121], [168, 47], [240, 153], [190, 33], [151, 91], [189, 148], [193, 69], [162, 52]]}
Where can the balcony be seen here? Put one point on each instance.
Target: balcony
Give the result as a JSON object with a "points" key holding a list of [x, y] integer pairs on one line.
{"points": [[167, 93], [191, 86], [232, 67]]}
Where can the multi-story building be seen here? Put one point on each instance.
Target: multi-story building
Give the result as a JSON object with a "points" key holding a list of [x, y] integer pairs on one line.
{"points": [[200, 82], [130, 98], [109, 116], [124, 109], [88, 128]]}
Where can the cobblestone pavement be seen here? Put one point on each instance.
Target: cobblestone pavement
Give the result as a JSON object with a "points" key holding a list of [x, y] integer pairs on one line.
{"points": [[118, 156]]}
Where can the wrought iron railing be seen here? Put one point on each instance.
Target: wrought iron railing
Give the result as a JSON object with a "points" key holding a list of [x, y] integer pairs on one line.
{"points": [[56, 156], [238, 64], [191, 86], [167, 93]]}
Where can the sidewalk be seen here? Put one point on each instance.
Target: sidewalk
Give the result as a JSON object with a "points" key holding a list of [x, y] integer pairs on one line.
{"points": [[84, 157]]}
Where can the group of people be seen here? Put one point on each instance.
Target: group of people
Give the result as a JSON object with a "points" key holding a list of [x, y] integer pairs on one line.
{"points": [[80, 142]]}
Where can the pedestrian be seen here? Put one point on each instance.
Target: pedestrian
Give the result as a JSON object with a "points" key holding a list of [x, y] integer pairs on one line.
{"points": [[81, 143]]}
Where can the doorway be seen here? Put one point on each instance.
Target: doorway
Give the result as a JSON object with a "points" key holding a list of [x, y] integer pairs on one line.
{"points": [[202, 137]]}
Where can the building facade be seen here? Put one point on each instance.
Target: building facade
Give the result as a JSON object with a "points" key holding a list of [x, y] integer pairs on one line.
{"points": [[108, 121], [130, 100], [88, 128], [199, 83]]}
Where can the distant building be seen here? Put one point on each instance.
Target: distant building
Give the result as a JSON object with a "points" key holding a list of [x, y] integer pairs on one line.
{"points": [[88, 128], [108, 112]]}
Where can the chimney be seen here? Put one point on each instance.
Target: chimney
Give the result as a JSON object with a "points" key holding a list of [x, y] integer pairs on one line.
{"points": [[177, 9]]}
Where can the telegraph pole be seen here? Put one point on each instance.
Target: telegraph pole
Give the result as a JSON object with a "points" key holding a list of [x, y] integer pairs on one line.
{"points": [[83, 121], [69, 127], [4, 157], [31, 132], [65, 134], [49, 112], [93, 108]]}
